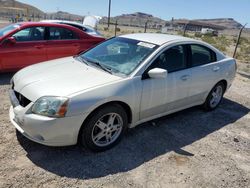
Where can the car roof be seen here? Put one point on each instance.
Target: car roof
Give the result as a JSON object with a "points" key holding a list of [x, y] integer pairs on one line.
{"points": [[156, 38], [68, 22], [41, 24], [62, 21]]}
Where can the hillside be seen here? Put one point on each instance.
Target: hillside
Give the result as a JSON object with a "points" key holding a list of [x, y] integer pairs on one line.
{"points": [[229, 23], [64, 16], [10, 8], [15, 7], [137, 19]]}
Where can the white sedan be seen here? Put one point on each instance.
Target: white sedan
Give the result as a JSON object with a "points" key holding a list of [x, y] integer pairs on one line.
{"points": [[85, 28], [94, 97]]}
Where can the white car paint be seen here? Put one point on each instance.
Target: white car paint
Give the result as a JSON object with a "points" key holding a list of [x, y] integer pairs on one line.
{"points": [[88, 88], [85, 28]]}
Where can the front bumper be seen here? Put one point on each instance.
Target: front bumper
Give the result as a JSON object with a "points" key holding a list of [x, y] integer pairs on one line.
{"points": [[45, 130]]}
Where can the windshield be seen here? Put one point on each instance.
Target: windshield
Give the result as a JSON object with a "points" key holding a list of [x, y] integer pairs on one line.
{"points": [[119, 55], [8, 29]]}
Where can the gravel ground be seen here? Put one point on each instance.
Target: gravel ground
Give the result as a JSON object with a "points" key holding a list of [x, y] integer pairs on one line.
{"points": [[191, 148]]}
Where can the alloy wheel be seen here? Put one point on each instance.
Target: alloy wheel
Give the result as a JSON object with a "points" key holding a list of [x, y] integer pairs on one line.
{"points": [[216, 96], [107, 129]]}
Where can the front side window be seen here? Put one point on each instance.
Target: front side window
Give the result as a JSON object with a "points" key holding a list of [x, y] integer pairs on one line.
{"points": [[172, 59], [120, 55], [201, 55], [30, 34], [58, 33]]}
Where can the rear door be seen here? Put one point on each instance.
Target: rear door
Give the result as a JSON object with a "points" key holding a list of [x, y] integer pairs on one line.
{"points": [[28, 49], [205, 72], [62, 42]]}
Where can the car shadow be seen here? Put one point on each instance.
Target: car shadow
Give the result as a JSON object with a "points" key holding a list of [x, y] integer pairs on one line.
{"points": [[5, 78], [140, 145]]}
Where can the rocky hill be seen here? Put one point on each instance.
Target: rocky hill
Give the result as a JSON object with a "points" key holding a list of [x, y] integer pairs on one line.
{"points": [[229, 23], [12, 7], [137, 19], [60, 15]]}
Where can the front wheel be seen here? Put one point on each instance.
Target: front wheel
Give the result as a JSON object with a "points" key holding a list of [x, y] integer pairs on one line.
{"points": [[214, 97], [104, 128]]}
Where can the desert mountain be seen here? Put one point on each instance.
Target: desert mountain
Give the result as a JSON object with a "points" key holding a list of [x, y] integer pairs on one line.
{"points": [[229, 23], [14, 7], [10, 8]]}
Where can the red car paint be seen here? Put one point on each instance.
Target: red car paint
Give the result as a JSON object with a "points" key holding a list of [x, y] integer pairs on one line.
{"points": [[16, 54]]}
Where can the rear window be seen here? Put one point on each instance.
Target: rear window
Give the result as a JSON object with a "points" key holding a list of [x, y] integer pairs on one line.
{"points": [[202, 55]]}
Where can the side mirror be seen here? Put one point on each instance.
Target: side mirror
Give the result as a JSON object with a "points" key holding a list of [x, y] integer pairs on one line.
{"points": [[11, 40], [157, 73]]}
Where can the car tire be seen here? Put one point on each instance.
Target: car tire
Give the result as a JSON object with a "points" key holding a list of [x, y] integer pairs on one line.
{"points": [[215, 96], [104, 128]]}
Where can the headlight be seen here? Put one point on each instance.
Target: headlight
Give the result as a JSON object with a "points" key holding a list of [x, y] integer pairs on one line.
{"points": [[51, 106]]}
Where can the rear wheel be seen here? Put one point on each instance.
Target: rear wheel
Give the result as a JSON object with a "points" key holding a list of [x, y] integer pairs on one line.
{"points": [[105, 128], [214, 97]]}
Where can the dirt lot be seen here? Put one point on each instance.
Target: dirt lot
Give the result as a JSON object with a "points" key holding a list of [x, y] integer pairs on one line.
{"points": [[191, 148]]}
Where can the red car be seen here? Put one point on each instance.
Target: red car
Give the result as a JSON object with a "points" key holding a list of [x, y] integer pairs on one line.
{"points": [[23, 44]]}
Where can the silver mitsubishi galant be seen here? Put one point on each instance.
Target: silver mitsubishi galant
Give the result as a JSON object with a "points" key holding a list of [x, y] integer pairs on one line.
{"points": [[92, 98]]}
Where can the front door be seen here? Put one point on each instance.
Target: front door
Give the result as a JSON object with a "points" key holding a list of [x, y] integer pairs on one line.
{"points": [[162, 95], [28, 49]]}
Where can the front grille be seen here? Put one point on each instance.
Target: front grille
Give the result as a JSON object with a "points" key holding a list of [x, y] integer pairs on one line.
{"points": [[23, 101]]}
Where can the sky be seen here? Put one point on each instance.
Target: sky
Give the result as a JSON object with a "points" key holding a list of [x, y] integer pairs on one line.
{"points": [[165, 9]]}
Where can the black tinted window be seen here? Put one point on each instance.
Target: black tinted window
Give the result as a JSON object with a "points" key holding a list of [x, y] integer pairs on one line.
{"points": [[172, 59], [30, 34], [201, 55], [58, 33]]}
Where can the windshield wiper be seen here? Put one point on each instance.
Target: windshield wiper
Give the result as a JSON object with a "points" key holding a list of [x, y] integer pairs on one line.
{"points": [[79, 58], [103, 67]]}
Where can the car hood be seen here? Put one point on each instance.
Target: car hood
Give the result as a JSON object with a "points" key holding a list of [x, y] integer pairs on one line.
{"points": [[60, 77]]}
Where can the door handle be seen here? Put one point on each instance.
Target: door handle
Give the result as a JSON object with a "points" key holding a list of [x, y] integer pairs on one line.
{"points": [[39, 46], [185, 77], [216, 68]]}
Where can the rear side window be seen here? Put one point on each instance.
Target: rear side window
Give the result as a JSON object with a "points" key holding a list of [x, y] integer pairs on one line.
{"points": [[172, 59], [201, 55], [58, 33]]}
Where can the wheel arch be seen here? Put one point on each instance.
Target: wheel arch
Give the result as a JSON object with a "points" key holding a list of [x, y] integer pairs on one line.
{"points": [[224, 82], [124, 105]]}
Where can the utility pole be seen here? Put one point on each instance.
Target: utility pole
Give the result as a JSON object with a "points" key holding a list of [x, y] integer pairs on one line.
{"points": [[238, 40], [109, 13]]}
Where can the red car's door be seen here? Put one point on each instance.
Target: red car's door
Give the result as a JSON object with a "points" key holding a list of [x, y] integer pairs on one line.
{"points": [[28, 47], [62, 42]]}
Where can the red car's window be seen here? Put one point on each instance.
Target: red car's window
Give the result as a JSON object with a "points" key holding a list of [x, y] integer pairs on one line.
{"points": [[30, 34], [58, 33]]}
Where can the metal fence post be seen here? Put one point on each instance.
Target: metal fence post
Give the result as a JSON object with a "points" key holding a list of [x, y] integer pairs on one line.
{"points": [[115, 27], [145, 28], [238, 40], [185, 29]]}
